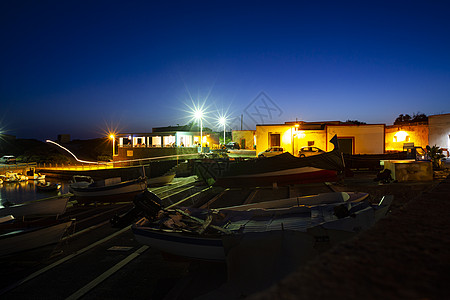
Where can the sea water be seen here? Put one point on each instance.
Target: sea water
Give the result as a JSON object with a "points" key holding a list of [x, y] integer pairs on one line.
{"points": [[20, 192]]}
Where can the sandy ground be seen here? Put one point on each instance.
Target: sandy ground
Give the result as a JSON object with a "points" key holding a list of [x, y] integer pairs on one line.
{"points": [[404, 256]]}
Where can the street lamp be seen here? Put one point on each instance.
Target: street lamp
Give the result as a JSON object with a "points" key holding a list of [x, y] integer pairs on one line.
{"points": [[198, 114], [292, 136], [113, 138], [223, 121]]}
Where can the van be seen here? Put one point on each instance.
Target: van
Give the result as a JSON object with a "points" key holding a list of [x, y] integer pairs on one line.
{"points": [[8, 159]]}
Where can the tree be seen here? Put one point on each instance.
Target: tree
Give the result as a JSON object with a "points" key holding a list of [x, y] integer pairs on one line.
{"points": [[407, 119], [355, 122], [435, 154]]}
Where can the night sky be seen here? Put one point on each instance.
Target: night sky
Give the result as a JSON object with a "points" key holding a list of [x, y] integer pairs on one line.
{"points": [[85, 67]]}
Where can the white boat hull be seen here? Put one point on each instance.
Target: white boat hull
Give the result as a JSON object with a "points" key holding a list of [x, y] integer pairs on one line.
{"points": [[47, 206], [14, 243], [89, 191]]}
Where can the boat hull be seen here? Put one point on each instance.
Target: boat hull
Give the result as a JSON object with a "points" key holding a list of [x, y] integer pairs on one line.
{"points": [[193, 247], [124, 190], [48, 206], [32, 238]]}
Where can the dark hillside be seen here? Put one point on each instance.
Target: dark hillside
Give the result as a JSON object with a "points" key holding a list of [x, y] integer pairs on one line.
{"points": [[30, 150]]}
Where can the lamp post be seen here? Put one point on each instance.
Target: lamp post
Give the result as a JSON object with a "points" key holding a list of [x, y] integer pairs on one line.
{"points": [[113, 138], [292, 137], [199, 115], [223, 122]]}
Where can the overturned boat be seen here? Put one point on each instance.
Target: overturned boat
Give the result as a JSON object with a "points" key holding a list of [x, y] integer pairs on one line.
{"points": [[282, 169], [210, 234]]}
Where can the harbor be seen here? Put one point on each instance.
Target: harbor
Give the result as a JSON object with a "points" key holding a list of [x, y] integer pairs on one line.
{"points": [[95, 260], [224, 150]]}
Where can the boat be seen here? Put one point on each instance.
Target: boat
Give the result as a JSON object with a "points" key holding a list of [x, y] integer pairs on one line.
{"points": [[18, 236], [32, 175], [55, 205], [11, 177], [282, 169], [47, 186], [206, 234], [85, 188]]}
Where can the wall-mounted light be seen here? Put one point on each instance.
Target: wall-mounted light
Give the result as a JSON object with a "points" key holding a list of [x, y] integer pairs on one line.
{"points": [[401, 136]]}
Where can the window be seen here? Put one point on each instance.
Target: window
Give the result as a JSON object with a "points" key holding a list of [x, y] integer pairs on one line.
{"points": [[274, 139]]}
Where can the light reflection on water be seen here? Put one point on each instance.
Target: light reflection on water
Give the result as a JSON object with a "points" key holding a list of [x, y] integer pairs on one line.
{"points": [[19, 192]]}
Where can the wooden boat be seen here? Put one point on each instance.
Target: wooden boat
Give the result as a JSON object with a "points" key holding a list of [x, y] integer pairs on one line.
{"points": [[48, 206], [18, 236], [282, 169], [47, 186], [205, 234], [32, 175], [85, 188]]}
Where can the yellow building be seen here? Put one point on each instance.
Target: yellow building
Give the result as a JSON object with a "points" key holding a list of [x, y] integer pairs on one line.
{"points": [[399, 135], [357, 139], [353, 139], [291, 136]]}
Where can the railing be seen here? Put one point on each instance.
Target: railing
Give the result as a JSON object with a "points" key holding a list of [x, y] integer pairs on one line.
{"points": [[110, 165], [55, 166], [93, 165], [10, 167]]}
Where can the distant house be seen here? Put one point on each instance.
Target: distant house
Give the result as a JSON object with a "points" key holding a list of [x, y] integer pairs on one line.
{"points": [[162, 141], [245, 138]]}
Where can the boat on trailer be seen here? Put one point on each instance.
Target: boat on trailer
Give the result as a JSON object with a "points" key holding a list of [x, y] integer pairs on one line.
{"points": [[205, 234]]}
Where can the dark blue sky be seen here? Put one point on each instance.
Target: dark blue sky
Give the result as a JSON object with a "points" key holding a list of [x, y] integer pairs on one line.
{"points": [[81, 67]]}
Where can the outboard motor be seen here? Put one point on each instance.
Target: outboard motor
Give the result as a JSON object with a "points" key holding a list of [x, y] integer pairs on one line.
{"points": [[149, 203], [146, 204]]}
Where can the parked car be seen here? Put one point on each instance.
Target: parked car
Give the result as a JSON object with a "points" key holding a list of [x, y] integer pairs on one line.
{"points": [[233, 146], [309, 151], [8, 159], [272, 151]]}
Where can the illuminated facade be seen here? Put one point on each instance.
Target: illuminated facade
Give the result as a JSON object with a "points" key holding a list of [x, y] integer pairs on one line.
{"points": [[398, 136], [353, 139]]}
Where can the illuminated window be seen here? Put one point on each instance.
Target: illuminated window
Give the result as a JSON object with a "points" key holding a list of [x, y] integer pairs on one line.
{"points": [[401, 136], [169, 141], [156, 141]]}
